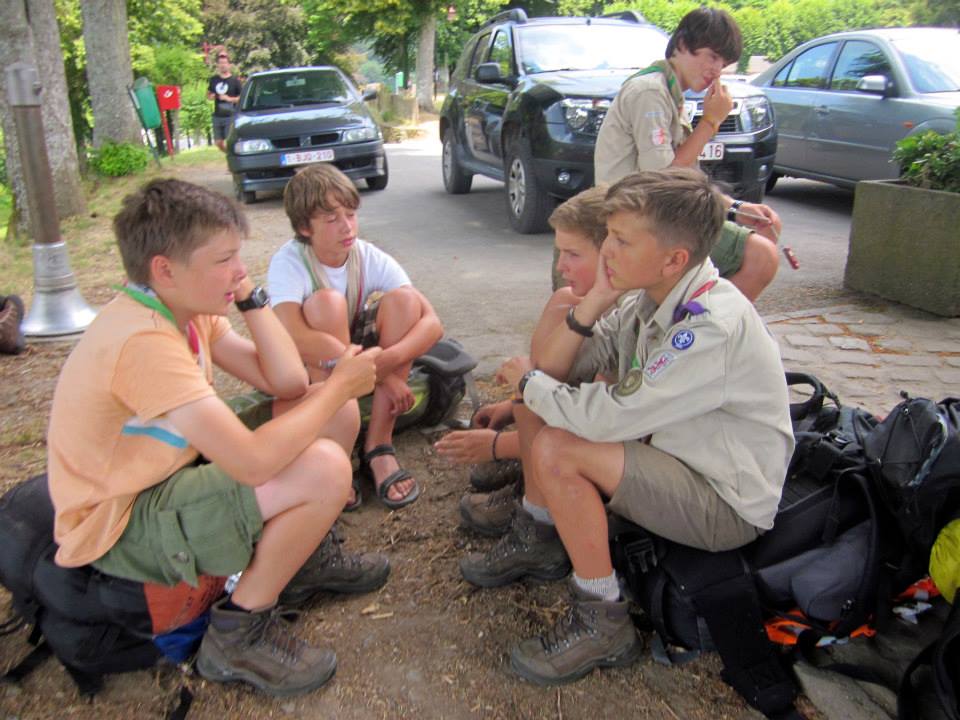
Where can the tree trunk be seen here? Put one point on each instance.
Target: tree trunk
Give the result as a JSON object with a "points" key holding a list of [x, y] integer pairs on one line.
{"points": [[37, 43], [425, 45], [108, 71]]}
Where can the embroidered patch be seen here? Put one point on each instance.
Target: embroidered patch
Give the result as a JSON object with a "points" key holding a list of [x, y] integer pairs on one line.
{"points": [[659, 364], [689, 110], [659, 136], [682, 339], [631, 382]]}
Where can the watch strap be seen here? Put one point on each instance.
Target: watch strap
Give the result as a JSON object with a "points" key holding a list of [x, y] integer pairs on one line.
{"points": [[572, 323]]}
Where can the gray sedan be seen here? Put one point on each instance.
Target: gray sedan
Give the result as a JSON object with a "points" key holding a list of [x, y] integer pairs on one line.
{"points": [[842, 101]]}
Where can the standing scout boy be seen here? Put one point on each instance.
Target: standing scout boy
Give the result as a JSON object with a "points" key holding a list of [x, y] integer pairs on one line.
{"points": [[331, 288], [646, 128], [690, 441], [134, 409]]}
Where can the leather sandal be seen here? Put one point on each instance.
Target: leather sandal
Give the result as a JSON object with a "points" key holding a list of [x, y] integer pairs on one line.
{"points": [[391, 479], [357, 495]]}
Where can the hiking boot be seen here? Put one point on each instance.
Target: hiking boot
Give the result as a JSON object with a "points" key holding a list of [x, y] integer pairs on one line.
{"points": [[489, 513], [529, 549], [259, 648], [493, 475], [11, 315], [330, 569], [594, 633]]}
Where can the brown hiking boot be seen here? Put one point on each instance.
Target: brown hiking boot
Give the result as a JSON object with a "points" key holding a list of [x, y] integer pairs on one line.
{"points": [[489, 513], [529, 549], [11, 315], [329, 569], [259, 648], [493, 475], [595, 633]]}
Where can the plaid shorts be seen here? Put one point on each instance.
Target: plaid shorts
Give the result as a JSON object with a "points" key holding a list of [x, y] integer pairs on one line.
{"points": [[364, 332]]}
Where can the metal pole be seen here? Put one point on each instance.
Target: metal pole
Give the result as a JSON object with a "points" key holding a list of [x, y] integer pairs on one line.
{"points": [[57, 308]]}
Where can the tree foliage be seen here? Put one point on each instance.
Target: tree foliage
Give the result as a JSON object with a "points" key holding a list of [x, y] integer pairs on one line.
{"points": [[259, 34]]}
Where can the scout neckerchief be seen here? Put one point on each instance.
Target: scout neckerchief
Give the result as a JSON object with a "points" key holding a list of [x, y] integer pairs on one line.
{"points": [[686, 309], [146, 296], [319, 279], [673, 86]]}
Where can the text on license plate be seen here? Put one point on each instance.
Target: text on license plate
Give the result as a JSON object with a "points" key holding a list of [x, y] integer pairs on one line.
{"points": [[310, 156], [712, 151]]}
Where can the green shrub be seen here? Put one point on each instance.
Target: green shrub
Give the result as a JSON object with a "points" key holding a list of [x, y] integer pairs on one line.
{"points": [[195, 109], [931, 160], [116, 160]]}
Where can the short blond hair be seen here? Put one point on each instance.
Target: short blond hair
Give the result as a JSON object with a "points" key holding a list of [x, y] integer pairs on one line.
{"points": [[584, 214], [685, 209], [309, 191]]}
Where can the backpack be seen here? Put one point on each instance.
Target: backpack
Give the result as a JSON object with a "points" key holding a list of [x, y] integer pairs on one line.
{"points": [[439, 380], [94, 624]]}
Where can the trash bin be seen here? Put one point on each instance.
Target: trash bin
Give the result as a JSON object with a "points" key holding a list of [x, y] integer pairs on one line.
{"points": [[145, 101]]}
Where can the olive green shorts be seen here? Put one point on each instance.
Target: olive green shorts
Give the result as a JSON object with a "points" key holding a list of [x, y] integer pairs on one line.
{"points": [[727, 254], [199, 521]]}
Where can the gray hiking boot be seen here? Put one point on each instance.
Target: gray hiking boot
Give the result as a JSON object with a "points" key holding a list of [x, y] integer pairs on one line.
{"points": [[594, 633], [330, 569], [529, 549], [259, 648], [495, 474], [489, 513]]}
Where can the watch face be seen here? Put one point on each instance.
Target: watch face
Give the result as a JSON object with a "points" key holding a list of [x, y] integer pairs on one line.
{"points": [[259, 296]]}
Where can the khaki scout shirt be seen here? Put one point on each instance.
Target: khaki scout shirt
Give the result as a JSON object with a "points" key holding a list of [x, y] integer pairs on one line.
{"points": [[645, 124], [709, 390]]}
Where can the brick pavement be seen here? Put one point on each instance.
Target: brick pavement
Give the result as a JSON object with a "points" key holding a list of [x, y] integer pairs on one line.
{"points": [[868, 355]]}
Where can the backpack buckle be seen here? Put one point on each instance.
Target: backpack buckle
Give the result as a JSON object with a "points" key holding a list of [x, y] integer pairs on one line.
{"points": [[641, 554]]}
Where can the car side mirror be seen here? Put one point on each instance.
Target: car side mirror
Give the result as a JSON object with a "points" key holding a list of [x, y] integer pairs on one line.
{"points": [[489, 72], [875, 84], [369, 94]]}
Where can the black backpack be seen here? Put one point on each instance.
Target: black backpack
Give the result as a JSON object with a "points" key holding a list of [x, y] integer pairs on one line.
{"points": [[93, 623]]}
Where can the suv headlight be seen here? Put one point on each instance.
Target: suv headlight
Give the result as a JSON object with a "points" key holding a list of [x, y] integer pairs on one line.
{"points": [[584, 115], [359, 134], [255, 145], [755, 114]]}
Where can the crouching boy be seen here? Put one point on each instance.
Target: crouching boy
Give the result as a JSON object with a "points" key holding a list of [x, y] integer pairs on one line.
{"points": [[331, 288], [134, 409], [691, 441]]}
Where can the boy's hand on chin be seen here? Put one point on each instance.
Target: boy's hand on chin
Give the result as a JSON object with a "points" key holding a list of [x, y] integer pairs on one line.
{"points": [[599, 298], [514, 369], [357, 370]]}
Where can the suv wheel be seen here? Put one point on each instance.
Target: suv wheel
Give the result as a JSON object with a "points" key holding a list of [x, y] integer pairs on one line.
{"points": [[455, 179], [528, 206], [754, 194], [247, 197], [380, 182], [772, 181]]}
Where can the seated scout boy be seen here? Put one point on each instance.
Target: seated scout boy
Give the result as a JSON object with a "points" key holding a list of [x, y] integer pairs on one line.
{"points": [[330, 288], [691, 441], [134, 408], [579, 229]]}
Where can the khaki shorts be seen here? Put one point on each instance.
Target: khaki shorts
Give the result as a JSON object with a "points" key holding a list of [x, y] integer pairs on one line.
{"points": [[727, 254], [661, 494]]}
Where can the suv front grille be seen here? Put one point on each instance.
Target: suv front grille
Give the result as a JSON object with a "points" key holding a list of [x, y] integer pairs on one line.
{"points": [[729, 124], [294, 143]]}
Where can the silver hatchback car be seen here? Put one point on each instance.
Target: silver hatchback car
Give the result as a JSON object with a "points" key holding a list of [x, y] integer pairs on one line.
{"points": [[842, 101]]}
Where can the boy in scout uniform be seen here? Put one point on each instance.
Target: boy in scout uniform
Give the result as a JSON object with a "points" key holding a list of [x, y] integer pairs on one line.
{"points": [[690, 441], [646, 128]]}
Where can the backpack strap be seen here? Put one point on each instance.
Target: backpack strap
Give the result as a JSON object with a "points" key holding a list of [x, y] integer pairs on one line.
{"points": [[941, 656], [721, 589]]}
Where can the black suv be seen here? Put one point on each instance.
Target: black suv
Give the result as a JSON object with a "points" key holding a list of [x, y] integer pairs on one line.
{"points": [[529, 94]]}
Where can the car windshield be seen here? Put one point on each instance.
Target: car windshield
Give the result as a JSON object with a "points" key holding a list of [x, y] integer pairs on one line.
{"points": [[309, 87], [933, 63], [549, 48]]}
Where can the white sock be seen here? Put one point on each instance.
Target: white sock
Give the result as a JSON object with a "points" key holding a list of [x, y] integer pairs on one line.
{"points": [[539, 513], [603, 588]]}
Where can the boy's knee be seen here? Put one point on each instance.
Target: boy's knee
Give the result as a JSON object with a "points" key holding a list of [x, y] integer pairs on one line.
{"points": [[335, 474], [549, 452], [401, 301], [762, 258], [325, 307]]}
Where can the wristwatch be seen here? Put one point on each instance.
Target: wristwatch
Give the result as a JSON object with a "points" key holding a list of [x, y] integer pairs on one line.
{"points": [[258, 298], [522, 385], [574, 324], [732, 210]]}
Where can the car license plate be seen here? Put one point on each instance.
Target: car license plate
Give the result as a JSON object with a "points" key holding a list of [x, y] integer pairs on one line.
{"points": [[712, 151], [308, 156]]}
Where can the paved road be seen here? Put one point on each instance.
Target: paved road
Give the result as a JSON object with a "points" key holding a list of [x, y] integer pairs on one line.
{"points": [[489, 283]]}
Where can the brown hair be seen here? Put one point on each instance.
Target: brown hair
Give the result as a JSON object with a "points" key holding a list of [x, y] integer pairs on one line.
{"points": [[308, 190], [584, 214], [683, 207], [170, 218], [710, 28]]}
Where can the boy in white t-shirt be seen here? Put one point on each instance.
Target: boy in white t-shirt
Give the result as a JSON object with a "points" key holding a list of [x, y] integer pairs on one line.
{"points": [[330, 289]]}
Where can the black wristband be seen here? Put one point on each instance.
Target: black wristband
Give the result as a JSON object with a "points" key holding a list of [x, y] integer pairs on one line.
{"points": [[732, 210], [493, 445], [579, 329]]}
